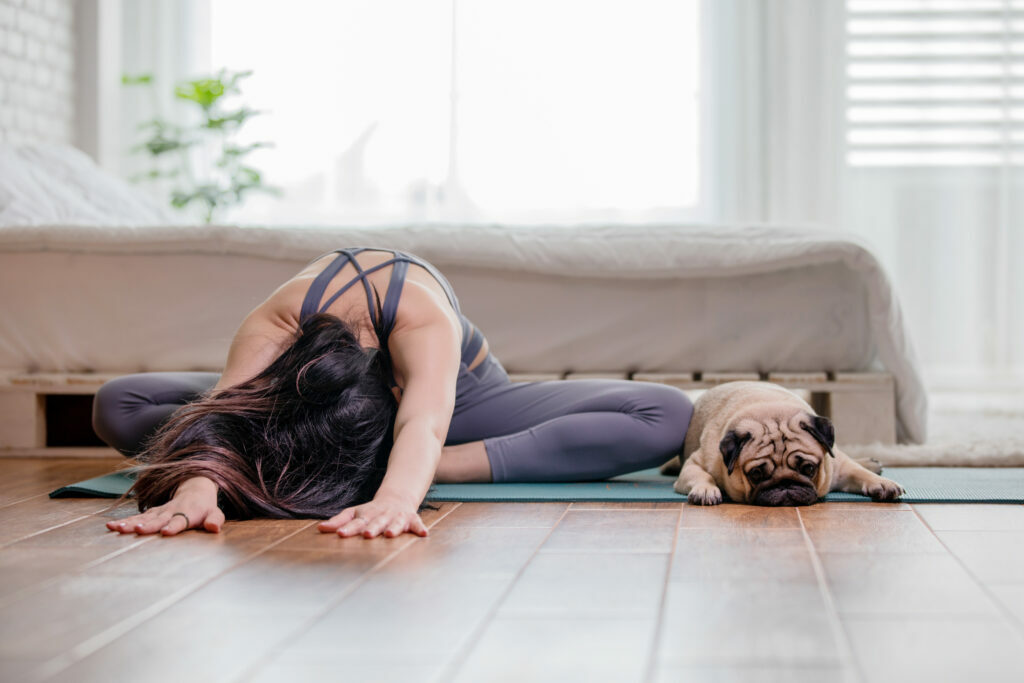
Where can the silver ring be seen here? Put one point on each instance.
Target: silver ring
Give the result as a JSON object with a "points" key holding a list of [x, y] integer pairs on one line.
{"points": [[188, 524]]}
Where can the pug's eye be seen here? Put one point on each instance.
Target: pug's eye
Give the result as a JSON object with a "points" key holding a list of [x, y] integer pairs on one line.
{"points": [[808, 468], [757, 474]]}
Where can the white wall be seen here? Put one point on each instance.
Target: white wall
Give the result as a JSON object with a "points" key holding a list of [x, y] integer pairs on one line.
{"points": [[36, 71]]}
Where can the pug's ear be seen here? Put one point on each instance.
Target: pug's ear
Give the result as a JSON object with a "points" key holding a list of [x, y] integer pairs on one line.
{"points": [[731, 445], [822, 430]]}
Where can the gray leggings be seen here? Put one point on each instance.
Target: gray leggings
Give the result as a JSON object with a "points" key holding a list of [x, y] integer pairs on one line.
{"points": [[540, 431]]}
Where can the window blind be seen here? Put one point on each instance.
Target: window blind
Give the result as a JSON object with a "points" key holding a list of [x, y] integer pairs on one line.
{"points": [[935, 82]]}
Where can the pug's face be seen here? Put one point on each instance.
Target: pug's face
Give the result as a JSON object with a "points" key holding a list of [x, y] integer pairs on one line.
{"points": [[778, 460]]}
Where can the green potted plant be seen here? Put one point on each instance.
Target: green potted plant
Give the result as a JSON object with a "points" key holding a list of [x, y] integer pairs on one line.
{"points": [[170, 146]]}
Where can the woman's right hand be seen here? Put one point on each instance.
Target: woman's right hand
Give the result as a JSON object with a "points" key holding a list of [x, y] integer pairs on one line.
{"points": [[193, 506]]}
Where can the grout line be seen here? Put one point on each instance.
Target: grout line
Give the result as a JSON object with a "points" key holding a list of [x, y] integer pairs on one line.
{"points": [[89, 646], [452, 666], [652, 657], [271, 651], [1015, 622], [850, 663]]}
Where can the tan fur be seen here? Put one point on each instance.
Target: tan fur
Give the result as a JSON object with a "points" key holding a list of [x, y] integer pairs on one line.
{"points": [[776, 420]]}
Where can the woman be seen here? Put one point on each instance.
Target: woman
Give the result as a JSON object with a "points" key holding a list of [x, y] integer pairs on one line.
{"points": [[346, 402]]}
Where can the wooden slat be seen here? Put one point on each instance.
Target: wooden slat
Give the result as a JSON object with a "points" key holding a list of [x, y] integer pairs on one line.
{"points": [[534, 376], [55, 383], [29, 517], [798, 379], [863, 378], [62, 452], [723, 377], [22, 421], [681, 380], [597, 375]]}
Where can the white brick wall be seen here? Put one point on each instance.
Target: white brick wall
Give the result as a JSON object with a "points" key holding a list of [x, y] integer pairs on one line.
{"points": [[36, 71]]}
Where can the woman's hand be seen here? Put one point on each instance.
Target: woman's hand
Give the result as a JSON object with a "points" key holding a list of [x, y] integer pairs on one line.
{"points": [[388, 516], [193, 506]]}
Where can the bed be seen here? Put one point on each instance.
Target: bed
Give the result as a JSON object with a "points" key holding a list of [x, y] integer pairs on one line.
{"points": [[684, 304]]}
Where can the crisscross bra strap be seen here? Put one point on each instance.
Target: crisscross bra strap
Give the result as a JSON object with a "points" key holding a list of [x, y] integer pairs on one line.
{"points": [[472, 340]]}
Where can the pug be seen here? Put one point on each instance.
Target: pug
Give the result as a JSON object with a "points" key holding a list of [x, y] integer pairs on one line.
{"points": [[762, 444]]}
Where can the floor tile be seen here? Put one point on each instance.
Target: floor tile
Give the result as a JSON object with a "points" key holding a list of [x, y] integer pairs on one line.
{"points": [[755, 674], [988, 555], [544, 515], [395, 620], [614, 531], [744, 622], [607, 585], [972, 517], [560, 650], [902, 584], [868, 531], [1011, 597], [778, 554], [731, 515], [960, 649]]}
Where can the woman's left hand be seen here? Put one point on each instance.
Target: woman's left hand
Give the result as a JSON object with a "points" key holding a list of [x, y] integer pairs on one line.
{"points": [[381, 516]]}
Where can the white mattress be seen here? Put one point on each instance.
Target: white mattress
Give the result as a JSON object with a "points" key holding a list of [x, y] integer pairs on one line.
{"points": [[656, 299]]}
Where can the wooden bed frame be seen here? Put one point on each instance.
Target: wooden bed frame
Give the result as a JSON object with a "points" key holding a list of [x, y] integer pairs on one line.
{"points": [[861, 405]]}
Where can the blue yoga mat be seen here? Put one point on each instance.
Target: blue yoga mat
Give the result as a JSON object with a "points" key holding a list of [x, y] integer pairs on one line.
{"points": [[923, 485]]}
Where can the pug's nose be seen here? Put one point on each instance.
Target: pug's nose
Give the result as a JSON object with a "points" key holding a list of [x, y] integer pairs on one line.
{"points": [[787, 493]]}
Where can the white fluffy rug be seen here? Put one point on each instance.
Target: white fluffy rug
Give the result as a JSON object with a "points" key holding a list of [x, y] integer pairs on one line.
{"points": [[964, 429]]}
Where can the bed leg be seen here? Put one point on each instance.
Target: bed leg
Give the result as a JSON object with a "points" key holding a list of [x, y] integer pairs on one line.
{"points": [[862, 407], [22, 420]]}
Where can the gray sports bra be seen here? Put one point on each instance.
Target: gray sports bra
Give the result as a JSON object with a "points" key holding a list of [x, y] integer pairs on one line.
{"points": [[472, 339]]}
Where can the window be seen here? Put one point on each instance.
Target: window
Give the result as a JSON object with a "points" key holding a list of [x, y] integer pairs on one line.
{"points": [[517, 111], [935, 82]]}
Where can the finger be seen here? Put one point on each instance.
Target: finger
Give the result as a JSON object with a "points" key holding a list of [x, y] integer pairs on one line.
{"points": [[338, 520], [152, 521], [395, 528], [214, 521], [175, 525], [124, 526], [417, 526], [352, 528], [376, 526]]}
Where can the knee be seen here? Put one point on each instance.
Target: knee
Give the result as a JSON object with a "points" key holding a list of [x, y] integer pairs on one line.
{"points": [[111, 411], [669, 411]]}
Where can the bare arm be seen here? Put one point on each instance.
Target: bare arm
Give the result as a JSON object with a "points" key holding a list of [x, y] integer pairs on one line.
{"points": [[425, 352], [263, 335]]}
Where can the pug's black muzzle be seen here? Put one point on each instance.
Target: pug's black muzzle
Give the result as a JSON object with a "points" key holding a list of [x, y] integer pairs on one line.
{"points": [[786, 493]]}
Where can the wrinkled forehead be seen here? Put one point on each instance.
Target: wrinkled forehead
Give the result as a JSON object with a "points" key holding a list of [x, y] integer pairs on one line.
{"points": [[783, 432]]}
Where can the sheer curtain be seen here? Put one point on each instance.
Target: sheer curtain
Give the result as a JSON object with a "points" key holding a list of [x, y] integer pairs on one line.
{"points": [[901, 122], [934, 172]]}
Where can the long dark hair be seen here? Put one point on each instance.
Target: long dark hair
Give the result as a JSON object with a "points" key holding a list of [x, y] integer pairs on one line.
{"points": [[307, 437]]}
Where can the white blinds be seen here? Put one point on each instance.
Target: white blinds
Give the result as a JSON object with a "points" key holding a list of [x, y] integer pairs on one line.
{"points": [[935, 82]]}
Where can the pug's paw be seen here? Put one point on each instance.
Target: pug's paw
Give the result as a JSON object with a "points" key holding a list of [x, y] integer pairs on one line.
{"points": [[870, 464], [883, 489], [705, 494]]}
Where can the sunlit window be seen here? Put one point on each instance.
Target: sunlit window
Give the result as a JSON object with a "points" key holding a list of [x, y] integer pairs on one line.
{"points": [[935, 82], [519, 111]]}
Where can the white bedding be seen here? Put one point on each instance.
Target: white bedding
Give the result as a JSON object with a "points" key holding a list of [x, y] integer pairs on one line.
{"points": [[656, 299], [54, 184]]}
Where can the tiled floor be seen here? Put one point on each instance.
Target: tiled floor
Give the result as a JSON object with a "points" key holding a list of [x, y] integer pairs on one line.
{"points": [[514, 592]]}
